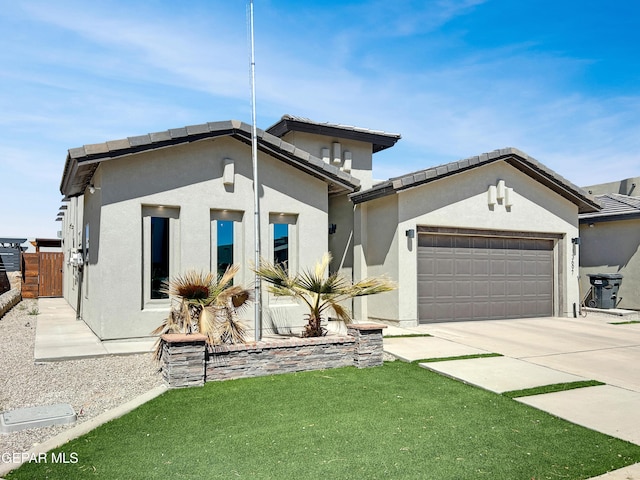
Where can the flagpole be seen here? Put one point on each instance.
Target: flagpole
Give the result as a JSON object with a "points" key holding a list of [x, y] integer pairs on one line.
{"points": [[256, 187]]}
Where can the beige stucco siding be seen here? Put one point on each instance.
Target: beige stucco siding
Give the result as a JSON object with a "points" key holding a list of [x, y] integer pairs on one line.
{"points": [[613, 247], [188, 180], [361, 153], [461, 201]]}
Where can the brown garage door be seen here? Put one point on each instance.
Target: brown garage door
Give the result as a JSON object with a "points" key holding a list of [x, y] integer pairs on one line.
{"points": [[483, 278]]}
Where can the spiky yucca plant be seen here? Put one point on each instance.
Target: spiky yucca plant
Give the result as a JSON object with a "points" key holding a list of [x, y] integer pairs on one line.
{"points": [[208, 304], [319, 292]]}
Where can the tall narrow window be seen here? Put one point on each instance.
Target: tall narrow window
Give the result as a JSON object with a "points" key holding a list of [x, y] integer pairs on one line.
{"points": [[225, 245], [281, 244], [159, 256], [160, 253], [227, 241], [283, 238]]}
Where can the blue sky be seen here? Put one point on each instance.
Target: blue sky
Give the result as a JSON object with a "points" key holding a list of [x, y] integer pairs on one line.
{"points": [[558, 79]]}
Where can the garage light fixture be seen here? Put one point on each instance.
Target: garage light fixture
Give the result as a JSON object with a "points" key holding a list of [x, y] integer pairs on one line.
{"points": [[411, 233]]}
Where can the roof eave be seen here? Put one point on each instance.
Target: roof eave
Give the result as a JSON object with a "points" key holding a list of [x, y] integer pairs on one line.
{"points": [[379, 141], [82, 162], [512, 156]]}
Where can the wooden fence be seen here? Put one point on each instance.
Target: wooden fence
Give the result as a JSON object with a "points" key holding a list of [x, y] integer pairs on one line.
{"points": [[42, 274]]}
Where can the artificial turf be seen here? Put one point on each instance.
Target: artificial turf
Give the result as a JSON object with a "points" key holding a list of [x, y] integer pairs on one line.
{"points": [[398, 421]]}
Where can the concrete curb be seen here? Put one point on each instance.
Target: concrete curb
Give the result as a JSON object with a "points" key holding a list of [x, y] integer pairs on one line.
{"points": [[86, 427]]}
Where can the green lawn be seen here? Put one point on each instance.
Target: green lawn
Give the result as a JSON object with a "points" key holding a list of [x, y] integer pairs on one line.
{"points": [[398, 421]]}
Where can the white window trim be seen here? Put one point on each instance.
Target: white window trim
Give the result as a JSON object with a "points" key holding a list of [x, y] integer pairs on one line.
{"points": [[291, 220], [237, 217], [173, 214]]}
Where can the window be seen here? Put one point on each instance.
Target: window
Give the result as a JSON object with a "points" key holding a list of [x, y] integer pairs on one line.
{"points": [[159, 256], [226, 240], [281, 244], [161, 247], [225, 245], [282, 231]]}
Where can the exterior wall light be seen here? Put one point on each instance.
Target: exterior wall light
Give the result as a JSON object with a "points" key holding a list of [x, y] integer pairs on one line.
{"points": [[411, 233]]}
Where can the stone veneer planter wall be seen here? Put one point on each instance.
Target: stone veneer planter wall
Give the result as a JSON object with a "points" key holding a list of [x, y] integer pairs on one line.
{"points": [[186, 361]]}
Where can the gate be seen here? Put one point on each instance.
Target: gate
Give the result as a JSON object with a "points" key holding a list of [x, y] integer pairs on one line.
{"points": [[42, 274]]}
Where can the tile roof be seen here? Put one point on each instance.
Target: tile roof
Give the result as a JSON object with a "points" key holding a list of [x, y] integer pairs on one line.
{"points": [[614, 207], [518, 159], [82, 162], [378, 138]]}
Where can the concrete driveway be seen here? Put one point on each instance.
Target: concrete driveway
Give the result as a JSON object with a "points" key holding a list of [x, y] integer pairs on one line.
{"points": [[589, 347], [543, 351]]}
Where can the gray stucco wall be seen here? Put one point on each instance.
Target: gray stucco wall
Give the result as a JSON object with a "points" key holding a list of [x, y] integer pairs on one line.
{"points": [[187, 180], [460, 201], [613, 247]]}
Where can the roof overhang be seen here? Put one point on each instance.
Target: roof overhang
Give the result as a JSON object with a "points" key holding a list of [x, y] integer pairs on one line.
{"points": [[378, 139], [514, 157], [615, 207], [81, 163]]}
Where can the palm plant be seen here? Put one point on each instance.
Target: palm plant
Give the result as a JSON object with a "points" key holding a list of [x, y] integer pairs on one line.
{"points": [[208, 305], [319, 292]]}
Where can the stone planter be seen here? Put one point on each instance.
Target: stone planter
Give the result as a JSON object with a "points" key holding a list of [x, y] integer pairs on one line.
{"points": [[186, 360]]}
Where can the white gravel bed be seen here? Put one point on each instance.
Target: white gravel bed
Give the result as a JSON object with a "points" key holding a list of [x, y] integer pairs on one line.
{"points": [[91, 386]]}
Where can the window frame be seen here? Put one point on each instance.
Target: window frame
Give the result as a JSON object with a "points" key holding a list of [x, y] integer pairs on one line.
{"points": [[237, 217], [173, 214], [292, 221]]}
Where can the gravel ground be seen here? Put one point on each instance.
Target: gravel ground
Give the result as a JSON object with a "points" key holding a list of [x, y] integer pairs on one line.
{"points": [[91, 386]]}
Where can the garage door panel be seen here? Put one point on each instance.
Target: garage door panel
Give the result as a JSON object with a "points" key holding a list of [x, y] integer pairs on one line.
{"points": [[514, 268], [475, 278], [444, 290], [444, 266], [463, 290], [513, 309], [498, 289], [464, 266], [514, 289], [480, 310], [498, 267], [480, 267], [464, 310], [498, 310]]}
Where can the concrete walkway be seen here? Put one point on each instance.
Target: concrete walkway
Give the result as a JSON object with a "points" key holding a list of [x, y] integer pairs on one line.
{"points": [[59, 336], [544, 351]]}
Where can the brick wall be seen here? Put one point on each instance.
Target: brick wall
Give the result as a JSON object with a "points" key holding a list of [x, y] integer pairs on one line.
{"points": [[186, 361]]}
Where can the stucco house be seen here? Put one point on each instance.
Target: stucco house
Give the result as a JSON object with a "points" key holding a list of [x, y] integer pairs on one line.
{"points": [[486, 237], [611, 241]]}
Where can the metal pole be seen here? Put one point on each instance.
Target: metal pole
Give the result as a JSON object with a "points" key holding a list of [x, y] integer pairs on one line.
{"points": [[256, 188]]}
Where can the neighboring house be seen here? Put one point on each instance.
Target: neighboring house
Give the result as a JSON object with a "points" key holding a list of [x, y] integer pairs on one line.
{"points": [[486, 237], [611, 243]]}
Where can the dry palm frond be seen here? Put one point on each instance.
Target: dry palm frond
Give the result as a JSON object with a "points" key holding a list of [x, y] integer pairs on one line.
{"points": [[319, 292], [193, 287], [199, 295]]}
